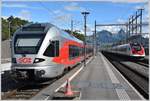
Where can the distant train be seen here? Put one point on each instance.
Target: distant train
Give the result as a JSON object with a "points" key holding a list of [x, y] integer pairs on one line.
{"points": [[41, 50], [130, 49]]}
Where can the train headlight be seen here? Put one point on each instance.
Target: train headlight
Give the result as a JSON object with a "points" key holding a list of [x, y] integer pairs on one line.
{"points": [[37, 60]]}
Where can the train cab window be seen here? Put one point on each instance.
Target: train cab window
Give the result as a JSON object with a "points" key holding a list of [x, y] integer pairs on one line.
{"points": [[52, 50], [28, 43]]}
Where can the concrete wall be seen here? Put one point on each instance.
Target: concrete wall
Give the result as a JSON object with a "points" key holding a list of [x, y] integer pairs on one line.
{"points": [[6, 52]]}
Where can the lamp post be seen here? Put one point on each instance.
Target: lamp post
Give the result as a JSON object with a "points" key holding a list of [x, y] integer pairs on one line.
{"points": [[85, 15], [72, 27], [10, 19], [9, 30]]}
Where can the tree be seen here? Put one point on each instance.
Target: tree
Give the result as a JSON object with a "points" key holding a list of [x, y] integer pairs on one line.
{"points": [[15, 23], [76, 34]]}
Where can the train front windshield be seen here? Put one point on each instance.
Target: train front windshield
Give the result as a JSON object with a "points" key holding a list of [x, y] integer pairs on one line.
{"points": [[27, 43], [137, 47]]}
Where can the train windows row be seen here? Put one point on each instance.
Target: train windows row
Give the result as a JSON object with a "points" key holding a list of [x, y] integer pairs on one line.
{"points": [[75, 51], [122, 49]]}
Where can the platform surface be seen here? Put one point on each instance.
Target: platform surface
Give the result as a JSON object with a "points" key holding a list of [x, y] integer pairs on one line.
{"points": [[99, 80]]}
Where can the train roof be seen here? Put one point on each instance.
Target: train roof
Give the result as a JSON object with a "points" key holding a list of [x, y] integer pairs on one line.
{"points": [[34, 28], [128, 44], [42, 28]]}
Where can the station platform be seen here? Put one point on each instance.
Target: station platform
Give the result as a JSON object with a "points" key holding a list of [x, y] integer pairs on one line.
{"points": [[100, 80]]}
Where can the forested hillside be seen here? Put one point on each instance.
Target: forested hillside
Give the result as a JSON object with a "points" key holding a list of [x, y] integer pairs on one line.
{"points": [[14, 23]]}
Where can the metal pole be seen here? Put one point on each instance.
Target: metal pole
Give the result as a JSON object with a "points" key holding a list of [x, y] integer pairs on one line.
{"points": [[126, 33], [141, 9], [95, 40], [129, 27], [9, 30], [136, 26], [85, 14], [141, 20], [85, 41], [132, 24], [72, 27]]}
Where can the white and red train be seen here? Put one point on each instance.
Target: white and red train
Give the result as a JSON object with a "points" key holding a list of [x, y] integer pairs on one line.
{"points": [[130, 49], [41, 50]]}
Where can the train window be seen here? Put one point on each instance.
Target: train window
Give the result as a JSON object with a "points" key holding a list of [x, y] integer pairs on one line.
{"points": [[52, 50], [74, 51], [136, 46], [27, 43]]}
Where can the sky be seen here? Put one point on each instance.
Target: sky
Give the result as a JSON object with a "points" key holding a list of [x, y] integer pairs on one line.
{"points": [[61, 13]]}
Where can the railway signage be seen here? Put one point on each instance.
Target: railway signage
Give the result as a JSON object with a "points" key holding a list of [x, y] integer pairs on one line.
{"points": [[24, 60]]}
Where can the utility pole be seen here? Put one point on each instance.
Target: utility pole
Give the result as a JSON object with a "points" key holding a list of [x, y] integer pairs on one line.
{"points": [[72, 27], [95, 49], [141, 9], [136, 26], [85, 15], [132, 20], [141, 22], [126, 32], [93, 42], [129, 27], [9, 25], [9, 35]]}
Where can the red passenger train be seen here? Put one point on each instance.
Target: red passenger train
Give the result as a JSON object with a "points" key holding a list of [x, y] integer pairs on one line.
{"points": [[41, 50], [131, 49]]}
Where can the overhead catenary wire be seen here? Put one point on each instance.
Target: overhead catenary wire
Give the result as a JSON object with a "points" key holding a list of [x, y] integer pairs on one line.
{"points": [[51, 13]]}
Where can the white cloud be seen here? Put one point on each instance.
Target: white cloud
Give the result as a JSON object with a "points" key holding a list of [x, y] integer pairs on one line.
{"points": [[89, 29], [12, 5], [113, 29], [64, 18], [119, 1], [138, 7], [146, 35], [18, 5], [57, 11], [4, 17], [121, 21], [145, 7], [145, 11], [126, 1], [74, 7], [25, 14]]}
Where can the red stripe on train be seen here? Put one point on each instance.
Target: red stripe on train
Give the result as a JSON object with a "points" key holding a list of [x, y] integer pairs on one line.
{"points": [[64, 54]]}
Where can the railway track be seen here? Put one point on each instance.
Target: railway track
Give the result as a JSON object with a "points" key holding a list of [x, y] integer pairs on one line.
{"points": [[140, 82], [143, 64], [25, 89], [28, 89]]}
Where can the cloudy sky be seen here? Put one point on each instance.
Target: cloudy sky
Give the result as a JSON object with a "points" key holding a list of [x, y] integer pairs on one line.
{"points": [[61, 13]]}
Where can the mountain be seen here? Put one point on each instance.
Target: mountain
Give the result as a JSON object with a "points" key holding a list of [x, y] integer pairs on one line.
{"points": [[105, 37], [120, 35]]}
